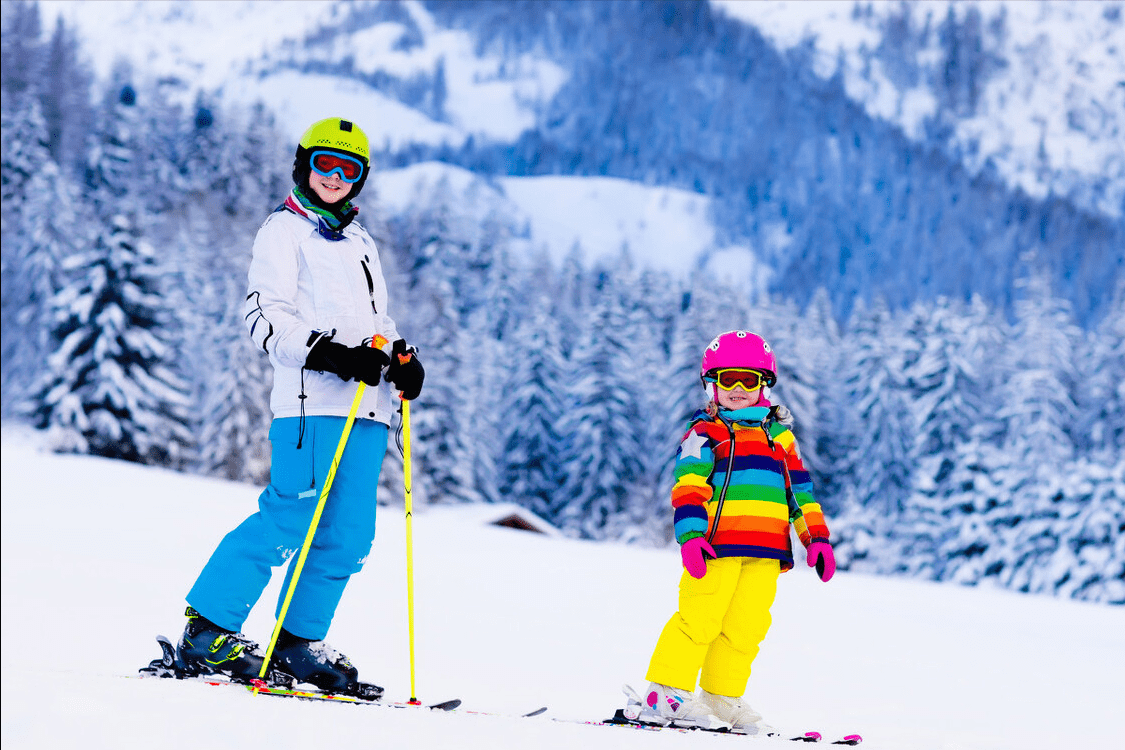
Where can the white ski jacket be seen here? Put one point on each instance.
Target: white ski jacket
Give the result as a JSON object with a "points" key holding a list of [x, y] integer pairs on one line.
{"points": [[303, 285]]}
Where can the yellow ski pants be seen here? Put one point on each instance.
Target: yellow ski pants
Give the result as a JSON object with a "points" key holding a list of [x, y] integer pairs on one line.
{"points": [[722, 620]]}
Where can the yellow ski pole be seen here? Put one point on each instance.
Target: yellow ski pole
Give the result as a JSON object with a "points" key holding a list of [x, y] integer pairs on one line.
{"points": [[409, 541], [300, 564]]}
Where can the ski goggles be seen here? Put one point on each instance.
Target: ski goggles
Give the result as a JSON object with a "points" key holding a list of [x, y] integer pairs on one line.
{"points": [[328, 163], [728, 378]]}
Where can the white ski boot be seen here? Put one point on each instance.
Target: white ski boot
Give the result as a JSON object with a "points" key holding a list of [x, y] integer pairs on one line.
{"points": [[742, 718], [668, 706]]}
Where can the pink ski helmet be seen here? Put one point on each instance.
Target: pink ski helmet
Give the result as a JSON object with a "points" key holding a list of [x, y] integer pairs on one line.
{"points": [[740, 349]]}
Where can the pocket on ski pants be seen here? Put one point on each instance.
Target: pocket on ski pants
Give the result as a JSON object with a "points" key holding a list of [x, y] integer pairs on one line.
{"points": [[703, 602]]}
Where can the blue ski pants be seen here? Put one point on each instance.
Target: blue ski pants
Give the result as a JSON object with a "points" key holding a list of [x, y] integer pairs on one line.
{"points": [[241, 567]]}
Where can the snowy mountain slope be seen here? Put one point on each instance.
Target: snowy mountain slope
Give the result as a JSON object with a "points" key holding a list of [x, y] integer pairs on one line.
{"points": [[204, 45], [97, 554], [665, 228], [1050, 117], [388, 123], [482, 94]]}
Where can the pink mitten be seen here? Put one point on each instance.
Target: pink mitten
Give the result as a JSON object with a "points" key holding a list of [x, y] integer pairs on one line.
{"points": [[694, 552], [821, 557]]}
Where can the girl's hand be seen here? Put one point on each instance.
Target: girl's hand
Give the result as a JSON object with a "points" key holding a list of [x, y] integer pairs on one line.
{"points": [[692, 553], [821, 557]]}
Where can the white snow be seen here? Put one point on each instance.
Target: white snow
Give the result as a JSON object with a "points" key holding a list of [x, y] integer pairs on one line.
{"points": [[1052, 119], [203, 42], [97, 555], [667, 228], [387, 122], [399, 189], [221, 46]]}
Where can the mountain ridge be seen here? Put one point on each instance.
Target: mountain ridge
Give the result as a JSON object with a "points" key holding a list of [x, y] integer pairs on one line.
{"points": [[797, 167]]}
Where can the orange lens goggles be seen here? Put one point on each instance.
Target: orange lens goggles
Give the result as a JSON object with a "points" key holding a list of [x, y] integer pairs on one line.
{"points": [[729, 378], [325, 163]]}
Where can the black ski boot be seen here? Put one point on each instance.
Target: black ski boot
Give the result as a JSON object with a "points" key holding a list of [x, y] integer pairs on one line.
{"points": [[206, 648], [317, 663]]}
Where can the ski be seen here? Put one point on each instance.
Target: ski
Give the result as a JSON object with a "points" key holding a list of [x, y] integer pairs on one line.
{"points": [[633, 711], [260, 687], [537, 712], [282, 685], [849, 739], [278, 684], [620, 720]]}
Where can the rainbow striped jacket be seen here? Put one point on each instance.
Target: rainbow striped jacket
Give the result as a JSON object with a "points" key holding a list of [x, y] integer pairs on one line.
{"points": [[766, 489]]}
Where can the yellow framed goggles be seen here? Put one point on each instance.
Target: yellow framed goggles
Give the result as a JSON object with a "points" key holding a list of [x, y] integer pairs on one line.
{"points": [[730, 377]]}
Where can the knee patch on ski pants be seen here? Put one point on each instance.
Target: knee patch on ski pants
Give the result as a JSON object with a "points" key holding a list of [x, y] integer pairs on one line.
{"points": [[241, 566], [347, 524], [721, 621]]}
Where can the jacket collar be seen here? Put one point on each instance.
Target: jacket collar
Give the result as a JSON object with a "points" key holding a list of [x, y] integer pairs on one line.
{"points": [[293, 203], [750, 415], [754, 414]]}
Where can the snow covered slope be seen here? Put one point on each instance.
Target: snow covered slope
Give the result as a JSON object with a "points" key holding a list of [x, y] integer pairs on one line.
{"points": [[97, 555], [1049, 118], [221, 46], [665, 228]]}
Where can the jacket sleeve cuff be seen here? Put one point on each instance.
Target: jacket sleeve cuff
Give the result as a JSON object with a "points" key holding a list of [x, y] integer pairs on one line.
{"points": [[315, 336], [688, 536]]}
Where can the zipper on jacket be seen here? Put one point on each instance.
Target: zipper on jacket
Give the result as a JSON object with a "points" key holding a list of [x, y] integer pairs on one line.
{"points": [[790, 498], [370, 285], [726, 482]]}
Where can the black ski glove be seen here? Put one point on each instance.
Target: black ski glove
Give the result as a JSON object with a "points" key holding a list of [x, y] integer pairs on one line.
{"points": [[405, 371], [347, 362]]}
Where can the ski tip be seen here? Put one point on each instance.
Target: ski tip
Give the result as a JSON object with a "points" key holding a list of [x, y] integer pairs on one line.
{"points": [[443, 706], [536, 712], [807, 737], [851, 739]]}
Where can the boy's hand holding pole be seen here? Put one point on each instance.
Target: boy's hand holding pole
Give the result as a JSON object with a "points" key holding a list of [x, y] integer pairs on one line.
{"points": [[405, 372]]}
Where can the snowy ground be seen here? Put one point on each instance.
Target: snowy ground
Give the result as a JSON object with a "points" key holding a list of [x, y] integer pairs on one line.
{"points": [[97, 555]]}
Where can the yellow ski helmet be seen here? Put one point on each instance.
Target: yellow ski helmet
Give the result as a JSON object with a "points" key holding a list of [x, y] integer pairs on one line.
{"points": [[339, 134]]}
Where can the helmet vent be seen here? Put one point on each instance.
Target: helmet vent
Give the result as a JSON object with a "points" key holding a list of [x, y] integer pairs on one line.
{"points": [[346, 126]]}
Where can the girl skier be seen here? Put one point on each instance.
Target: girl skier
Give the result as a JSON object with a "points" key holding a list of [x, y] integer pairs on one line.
{"points": [[732, 520], [317, 305]]}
